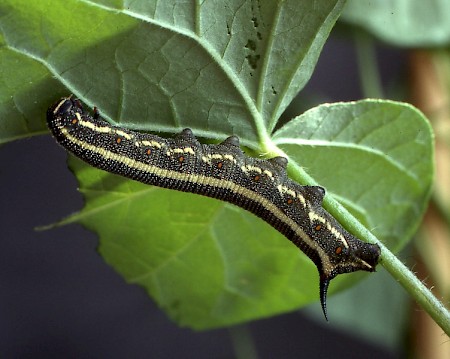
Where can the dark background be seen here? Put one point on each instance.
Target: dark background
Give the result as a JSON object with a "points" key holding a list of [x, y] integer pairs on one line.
{"points": [[58, 298]]}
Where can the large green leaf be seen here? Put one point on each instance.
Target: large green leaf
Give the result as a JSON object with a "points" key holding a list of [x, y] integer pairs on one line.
{"points": [[220, 68], [403, 22], [374, 156], [205, 262]]}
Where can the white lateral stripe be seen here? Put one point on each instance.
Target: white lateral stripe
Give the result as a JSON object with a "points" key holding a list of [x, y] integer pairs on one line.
{"points": [[268, 174], [217, 156], [58, 106], [124, 134], [152, 144], [94, 127], [183, 150], [248, 168], [313, 216]]}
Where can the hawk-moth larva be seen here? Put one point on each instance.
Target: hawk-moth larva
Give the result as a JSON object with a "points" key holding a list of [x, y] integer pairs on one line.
{"points": [[219, 171]]}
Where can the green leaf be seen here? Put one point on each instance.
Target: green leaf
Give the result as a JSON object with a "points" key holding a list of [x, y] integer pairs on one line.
{"points": [[402, 22], [206, 263], [220, 68], [374, 156]]}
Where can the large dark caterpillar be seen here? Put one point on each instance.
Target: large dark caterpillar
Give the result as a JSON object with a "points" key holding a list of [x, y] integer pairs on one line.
{"points": [[220, 171]]}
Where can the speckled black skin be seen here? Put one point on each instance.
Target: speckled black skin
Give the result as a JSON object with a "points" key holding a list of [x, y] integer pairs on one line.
{"points": [[219, 171]]}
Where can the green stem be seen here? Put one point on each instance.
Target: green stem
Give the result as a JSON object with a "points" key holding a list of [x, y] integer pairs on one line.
{"points": [[367, 65], [243, 345], [417, 290], [422, 295]]}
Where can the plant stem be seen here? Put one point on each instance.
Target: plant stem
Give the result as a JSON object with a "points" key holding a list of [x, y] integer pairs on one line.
{"points": [[367, 65], [417, 290], [243, 345], [423, 296]]}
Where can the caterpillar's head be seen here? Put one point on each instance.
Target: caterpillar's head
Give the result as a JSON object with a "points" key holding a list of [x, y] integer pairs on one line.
{"points": [[63, 114]]}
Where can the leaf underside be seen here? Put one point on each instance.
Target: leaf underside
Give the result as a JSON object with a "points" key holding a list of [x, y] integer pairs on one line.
{"points": [[220, 68]]}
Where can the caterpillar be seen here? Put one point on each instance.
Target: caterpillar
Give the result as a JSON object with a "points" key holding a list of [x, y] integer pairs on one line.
{"points": [[220, 171]]}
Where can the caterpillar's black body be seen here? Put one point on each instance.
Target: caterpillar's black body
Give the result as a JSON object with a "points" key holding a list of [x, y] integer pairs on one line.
{"points": [[220, 171]]}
